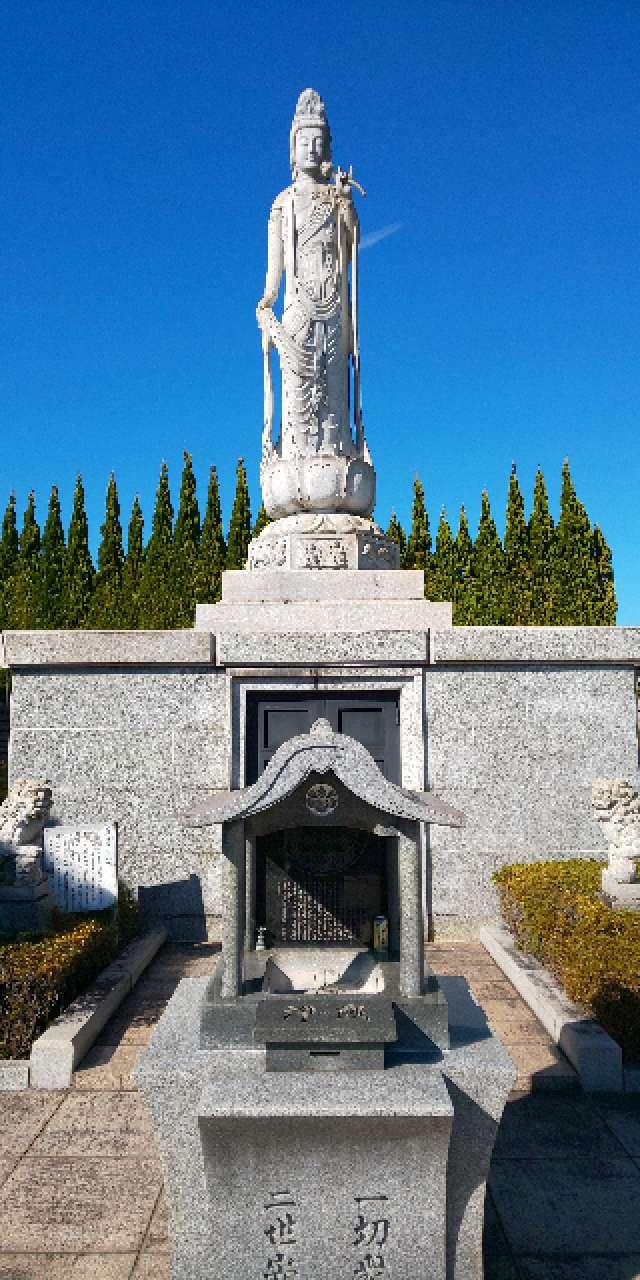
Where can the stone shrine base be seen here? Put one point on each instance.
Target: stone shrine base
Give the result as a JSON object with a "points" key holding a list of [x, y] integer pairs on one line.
{"points": [[25, 906], [321, 600], [390, 1163], [317, 540]]}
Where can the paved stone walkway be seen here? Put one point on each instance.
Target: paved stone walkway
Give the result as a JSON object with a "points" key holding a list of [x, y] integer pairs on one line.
{"points": [[81, 1193]]}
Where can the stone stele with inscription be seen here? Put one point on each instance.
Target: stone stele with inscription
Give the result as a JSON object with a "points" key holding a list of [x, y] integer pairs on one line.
{"points": [[82, 865]]}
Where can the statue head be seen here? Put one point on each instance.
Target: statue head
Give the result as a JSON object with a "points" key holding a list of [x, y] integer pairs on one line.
{"points": [[310, 138]]}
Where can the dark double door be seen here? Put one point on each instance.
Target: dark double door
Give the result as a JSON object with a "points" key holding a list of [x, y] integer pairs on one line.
{"points": [[372, 720], [322, 886]]}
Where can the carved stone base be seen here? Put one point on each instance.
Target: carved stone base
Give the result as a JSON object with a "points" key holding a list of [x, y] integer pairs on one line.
{"points": [[25, 907], [318, 541], [620, 893]]}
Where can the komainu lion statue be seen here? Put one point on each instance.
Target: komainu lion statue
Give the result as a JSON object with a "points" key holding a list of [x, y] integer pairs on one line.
{"points": [[22, 817], [616, 805]]}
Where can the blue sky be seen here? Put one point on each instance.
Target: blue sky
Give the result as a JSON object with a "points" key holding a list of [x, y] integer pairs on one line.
{"points": [[141, 145]]}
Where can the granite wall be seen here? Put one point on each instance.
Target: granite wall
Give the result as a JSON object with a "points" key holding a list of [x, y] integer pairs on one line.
{"points": [[516, 749], [508, 724], [135, 744]]}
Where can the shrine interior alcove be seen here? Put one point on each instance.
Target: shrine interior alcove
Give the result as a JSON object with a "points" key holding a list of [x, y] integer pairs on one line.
{"points": [[324, 886]]}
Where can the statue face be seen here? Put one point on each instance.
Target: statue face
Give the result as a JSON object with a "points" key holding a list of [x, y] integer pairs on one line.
{"points": [[310, 148]]}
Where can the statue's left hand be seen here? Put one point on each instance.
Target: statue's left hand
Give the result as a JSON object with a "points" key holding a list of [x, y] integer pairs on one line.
{"points": [[262, 313]]}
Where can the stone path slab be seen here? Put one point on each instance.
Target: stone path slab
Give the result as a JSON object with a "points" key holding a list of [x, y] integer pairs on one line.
{"points": [[52, 1266], [115, 1125], [69, 1204], [568, 1207], [24, 1115], [81, 1194], [107, 1066], [540, 1065]]}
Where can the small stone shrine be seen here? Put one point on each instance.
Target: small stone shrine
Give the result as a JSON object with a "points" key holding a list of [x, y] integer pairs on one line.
{"points": [[318, 1112], [325, 1109]]}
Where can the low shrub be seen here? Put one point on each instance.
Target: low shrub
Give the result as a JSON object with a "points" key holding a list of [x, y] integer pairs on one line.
{"points": [[554, 912], [40, 976]]}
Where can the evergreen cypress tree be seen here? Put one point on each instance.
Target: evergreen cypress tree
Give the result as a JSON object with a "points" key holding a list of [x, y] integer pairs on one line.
{"points": [[517, 584], [22, 601], [213, 551], [132, 568], [463, 595], [606, 603], [262, 520], [9, 547], [186, 546], [574, 582], [51, 598], [541, 539], [488, 570], [240, 523], [418, 551], [398, 535], [156, 598], [107, 604], [443, 562], [79, 570]]}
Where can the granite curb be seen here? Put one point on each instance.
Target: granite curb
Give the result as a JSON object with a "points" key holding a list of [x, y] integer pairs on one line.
{"points": [[58, 1051], [596, 1057]]}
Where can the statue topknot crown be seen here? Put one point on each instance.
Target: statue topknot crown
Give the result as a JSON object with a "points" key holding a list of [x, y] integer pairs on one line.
{"points": [[310, 110]]}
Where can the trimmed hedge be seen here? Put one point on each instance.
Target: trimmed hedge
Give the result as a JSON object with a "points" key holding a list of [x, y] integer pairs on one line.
{"points": [[40, 976], [554, 912]]}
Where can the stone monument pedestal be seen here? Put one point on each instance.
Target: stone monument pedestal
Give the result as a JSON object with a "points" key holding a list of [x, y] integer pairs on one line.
{"points": [[301, 601], [25, 906], [317, 540], [619, 893], [297, 1174]]}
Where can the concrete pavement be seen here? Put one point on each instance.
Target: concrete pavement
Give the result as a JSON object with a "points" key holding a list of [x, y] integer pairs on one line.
{"points": [[81, 1188]]}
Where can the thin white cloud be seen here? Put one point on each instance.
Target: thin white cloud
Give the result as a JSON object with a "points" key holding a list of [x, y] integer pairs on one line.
{"points": [[374, 237]]}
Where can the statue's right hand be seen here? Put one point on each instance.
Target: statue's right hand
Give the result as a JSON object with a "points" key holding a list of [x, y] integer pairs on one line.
{"points": [[262, 312]]}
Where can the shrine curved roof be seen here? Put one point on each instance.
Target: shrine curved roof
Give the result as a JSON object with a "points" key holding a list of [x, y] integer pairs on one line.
{"points": [[317, 752]]}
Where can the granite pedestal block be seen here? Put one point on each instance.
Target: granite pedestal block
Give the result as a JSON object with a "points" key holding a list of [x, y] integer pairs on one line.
{"points": [[334, 1179], [325, 1032], [25, 908], [621, 895], [268, 1170]]}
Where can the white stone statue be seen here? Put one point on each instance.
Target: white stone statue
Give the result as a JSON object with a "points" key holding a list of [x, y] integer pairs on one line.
{"points": [[318, 482], [22, 817], [616, 805], [321, 461], [24, 812]]}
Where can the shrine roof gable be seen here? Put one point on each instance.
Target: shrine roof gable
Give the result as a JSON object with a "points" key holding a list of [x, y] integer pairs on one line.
{"points": [[321, 751]]}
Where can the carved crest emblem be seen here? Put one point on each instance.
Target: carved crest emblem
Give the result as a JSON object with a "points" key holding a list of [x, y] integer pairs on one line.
{"points": [[321, 799]]}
